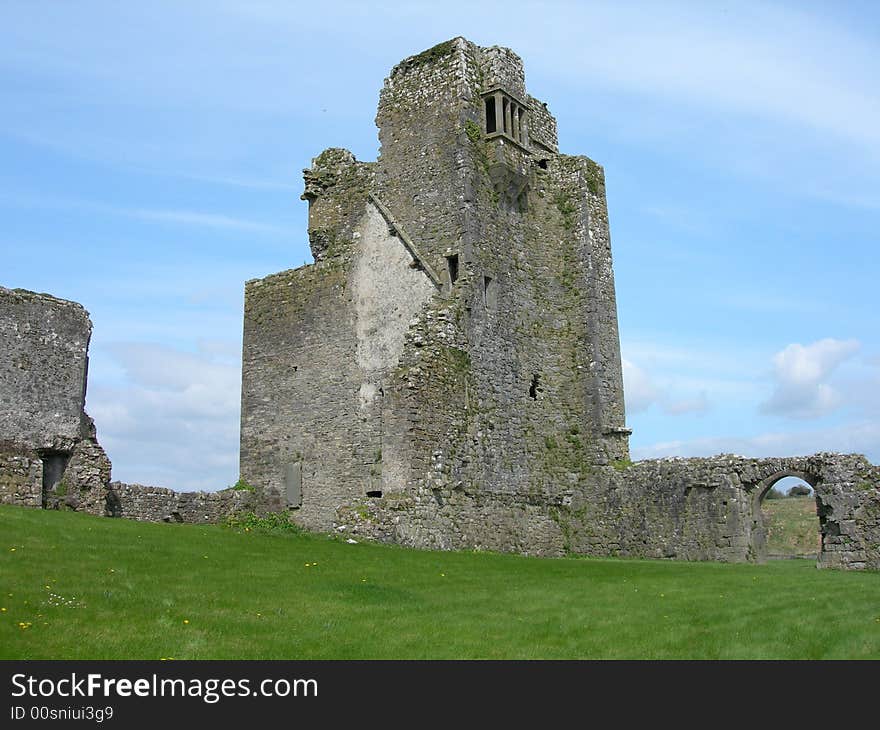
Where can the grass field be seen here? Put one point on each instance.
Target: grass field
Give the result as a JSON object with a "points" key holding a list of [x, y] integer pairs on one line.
{"points": [[74, 586], [792, 526]]}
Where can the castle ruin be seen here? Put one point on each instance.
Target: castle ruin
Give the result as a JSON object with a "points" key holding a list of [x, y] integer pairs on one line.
{"points": [[446, 374]]}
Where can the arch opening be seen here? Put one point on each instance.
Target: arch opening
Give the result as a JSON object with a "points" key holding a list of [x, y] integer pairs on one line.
{"points": [[787, 517]]}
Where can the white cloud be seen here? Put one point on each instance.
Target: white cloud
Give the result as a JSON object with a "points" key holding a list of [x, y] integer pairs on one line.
{"points": [[697, 405], [801, 373], [174, 422], [639, 392], [735, 61]]}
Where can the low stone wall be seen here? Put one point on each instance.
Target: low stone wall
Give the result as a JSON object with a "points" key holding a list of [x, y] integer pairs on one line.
{"points": [[157, 504], [686, 509]]}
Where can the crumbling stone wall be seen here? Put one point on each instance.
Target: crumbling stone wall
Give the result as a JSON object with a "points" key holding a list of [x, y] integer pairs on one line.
{"points": [[157, 504], [43, 369], [686, 509], [21, 476]]}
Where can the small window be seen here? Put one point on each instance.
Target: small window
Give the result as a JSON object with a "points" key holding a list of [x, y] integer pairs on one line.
{"points": [[375, 493], [490, 114], [489, 295], [505, 109], [452, 268], [535, 386]]}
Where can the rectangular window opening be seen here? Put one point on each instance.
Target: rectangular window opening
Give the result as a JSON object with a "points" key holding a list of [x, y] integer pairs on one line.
{"points": [[505, 108], [489, 292], [452, 268], [490, 114]]}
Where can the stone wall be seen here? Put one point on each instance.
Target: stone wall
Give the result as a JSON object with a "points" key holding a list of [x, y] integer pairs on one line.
{"points": [[373, 372], [157, 504], [686, 509]]}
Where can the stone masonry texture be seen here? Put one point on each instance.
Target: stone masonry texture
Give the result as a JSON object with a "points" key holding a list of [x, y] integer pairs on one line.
{"points": [[447, 372]]}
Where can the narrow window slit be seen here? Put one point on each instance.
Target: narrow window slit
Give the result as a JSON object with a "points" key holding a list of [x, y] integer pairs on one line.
{"points": [[452, 267], [535, 387], [374, 493], [489, 293]]}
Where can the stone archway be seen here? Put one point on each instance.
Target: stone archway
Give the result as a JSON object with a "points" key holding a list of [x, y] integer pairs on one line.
{"points": [[758, 546]]}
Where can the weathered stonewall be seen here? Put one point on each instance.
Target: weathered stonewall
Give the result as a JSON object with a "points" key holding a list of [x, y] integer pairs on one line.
{"points": [[49, 453], [447, 373]]}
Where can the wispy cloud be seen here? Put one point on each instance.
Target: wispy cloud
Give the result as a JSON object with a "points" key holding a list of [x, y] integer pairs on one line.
{"points": [[197, 218], [801, 372], [734, 60], [642, 391]]}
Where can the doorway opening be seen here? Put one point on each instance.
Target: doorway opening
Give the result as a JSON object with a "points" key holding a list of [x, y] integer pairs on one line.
{"points": [[788, 518]]}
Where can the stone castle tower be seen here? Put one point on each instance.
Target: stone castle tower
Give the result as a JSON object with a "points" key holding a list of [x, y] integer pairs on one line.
{"points": [[456, 338], [447, 373]]}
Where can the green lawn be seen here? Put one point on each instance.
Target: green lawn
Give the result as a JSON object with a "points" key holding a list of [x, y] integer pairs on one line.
{"points": [[792, 526], [74, 586]]}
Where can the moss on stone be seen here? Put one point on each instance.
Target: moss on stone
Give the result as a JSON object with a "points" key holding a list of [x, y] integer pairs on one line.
{"points": [[472, 129], [565, 205], [432, 55], [593, 177]]}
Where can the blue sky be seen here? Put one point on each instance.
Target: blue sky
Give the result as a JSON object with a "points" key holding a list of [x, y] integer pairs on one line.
{"points": [[151, 163]]}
